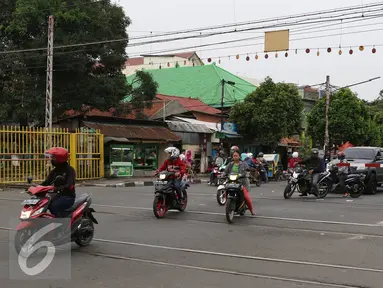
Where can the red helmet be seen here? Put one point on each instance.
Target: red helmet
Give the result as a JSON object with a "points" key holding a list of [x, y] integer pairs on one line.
{"points": [[58, 154]]}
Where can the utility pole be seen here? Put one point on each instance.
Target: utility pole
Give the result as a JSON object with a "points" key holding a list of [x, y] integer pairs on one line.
{"points": [[326, 136], [48, 99], [223, 98], [222, 102]]}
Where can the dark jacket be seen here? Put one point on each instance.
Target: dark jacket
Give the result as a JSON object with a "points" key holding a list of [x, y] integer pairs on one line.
{"points": [[69, 174], [316, 164]]}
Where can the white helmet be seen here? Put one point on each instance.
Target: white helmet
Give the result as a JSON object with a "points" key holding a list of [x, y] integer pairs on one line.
{"points": [[182, 157], [175, 153], [250, 155], [295, 155]]}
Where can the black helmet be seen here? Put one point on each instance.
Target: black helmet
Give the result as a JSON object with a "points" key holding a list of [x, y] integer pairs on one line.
{"points": [[341, 155], [314, 152]]}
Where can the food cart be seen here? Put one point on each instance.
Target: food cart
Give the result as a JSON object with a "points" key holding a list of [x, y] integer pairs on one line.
{"points": [[272, 160]]}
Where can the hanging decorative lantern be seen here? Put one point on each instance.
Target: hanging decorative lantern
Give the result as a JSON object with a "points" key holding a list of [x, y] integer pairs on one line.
{"points": [[287, 54], [329, 49], [266, 56], [209, 60], [340, 52], [374, 50], [361, 48], [247, 58], [318, 53], [237, 57], [256, 57], [307, 50], [351, 51]]}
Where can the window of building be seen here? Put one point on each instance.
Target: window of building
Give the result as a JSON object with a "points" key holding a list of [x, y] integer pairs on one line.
{"points": [[146, 157]]}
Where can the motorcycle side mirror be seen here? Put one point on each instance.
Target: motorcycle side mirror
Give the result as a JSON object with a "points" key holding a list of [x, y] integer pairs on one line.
{"points": [[59, 181], [29, 179]]}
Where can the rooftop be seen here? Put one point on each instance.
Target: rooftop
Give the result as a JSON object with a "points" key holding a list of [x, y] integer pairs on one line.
{"points": [[200, 82]]}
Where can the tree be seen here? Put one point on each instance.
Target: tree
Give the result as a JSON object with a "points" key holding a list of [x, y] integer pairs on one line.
{"points": [[349, 120], [85, 76], [271, 112]]}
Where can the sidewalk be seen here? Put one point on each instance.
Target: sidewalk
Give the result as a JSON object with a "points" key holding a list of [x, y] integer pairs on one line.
{"points": [[129, 182], [112, 183]]}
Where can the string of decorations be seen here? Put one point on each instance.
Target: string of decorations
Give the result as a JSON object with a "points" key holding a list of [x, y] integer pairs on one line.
{"points": [[266, 55]]}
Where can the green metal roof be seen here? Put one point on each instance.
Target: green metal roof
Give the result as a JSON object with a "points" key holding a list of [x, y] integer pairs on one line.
{"points": [[200, 82]]}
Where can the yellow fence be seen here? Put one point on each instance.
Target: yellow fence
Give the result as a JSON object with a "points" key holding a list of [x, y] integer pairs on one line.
{"points": [[22, 152]]}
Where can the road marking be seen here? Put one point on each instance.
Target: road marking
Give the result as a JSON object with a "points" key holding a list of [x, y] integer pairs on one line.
{"points": [[239, 256], [222, 271], [357, 237], [380, 224], [257, 217]]}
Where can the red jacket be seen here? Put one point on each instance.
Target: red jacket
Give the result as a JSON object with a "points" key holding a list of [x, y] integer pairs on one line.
{"points": [[293, 162], [172, 165]]}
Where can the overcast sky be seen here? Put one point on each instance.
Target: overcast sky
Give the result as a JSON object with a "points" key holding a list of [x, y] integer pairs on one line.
{"points": [[305, 69]]}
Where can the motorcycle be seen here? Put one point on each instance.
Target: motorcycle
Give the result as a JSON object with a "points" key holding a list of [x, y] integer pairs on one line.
{"points": [[301, 181], [235, 203], [166, 197], [80, 230], [354, 183], [216, 173], [255, 176]]}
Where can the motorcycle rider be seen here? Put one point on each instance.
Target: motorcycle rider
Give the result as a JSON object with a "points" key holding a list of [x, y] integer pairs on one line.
{"points": [[217, 162], [229, 159], [67, 193], [293, 161], [343, 170], [315, 163], [263, 163], [240, 167], [174, 164]]}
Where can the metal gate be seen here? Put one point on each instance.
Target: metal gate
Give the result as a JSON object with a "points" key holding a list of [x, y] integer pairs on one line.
{"points": [[22, 152]]}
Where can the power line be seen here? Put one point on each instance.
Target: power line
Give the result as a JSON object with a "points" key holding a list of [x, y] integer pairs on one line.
{"points": [[256, 37], [316, 13], [321, 19]]}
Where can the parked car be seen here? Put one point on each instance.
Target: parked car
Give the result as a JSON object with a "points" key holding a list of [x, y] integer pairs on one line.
{"points": [[359, 157]]}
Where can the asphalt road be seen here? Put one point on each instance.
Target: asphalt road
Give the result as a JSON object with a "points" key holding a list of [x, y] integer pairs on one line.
{"points": [[333, 242]]}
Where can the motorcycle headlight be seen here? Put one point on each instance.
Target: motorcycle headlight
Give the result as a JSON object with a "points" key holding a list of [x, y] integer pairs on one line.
{"points": [[162, 176], [233, 177], [25, 214], [295, 175]]}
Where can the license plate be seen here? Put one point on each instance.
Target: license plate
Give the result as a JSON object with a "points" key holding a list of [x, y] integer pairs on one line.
{"points": [[30, 202], [161, 182]]}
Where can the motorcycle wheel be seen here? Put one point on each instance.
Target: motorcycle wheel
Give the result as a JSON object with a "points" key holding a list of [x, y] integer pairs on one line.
{"points": [[84, 240], [289, 191], [221, 197], [185, 201], [159, 209], [323, 189], [230, 210], [21, 237], [356, 193]]}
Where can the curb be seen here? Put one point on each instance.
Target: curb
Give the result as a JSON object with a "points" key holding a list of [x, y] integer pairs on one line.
{"points": [[134, 184], [118, 185]]}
